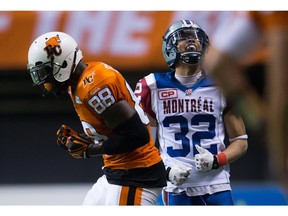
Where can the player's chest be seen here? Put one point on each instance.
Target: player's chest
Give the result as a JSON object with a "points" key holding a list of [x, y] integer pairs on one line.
{"points": [[171, 101]]}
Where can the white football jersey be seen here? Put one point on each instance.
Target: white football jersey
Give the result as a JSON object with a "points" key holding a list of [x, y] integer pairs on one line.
{"points": [[186, 116]]}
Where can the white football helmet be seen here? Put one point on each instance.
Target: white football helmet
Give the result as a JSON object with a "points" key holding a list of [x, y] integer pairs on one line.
{"points": [[52, 58], [183, 30]]}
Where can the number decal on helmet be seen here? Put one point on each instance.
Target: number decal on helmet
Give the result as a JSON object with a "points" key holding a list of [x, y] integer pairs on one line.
{"points": [[187, 23]]}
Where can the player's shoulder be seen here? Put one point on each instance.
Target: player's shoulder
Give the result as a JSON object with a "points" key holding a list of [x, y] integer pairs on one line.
{"points": [[95, 75], [152, 78], [164, 75], [101, 69], [100, 66], [208, 80]]}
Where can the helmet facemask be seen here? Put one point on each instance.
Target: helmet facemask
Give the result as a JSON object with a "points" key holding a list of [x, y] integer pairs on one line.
{"points": [[43, 78], [184, 30], [193, 51]]}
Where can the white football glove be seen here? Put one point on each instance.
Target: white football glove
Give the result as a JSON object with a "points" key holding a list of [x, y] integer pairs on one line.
{"points": [[205, 161], [178, 175]]}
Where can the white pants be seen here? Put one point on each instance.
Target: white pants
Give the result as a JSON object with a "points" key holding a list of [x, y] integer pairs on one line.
{"points": [[103, 193]]}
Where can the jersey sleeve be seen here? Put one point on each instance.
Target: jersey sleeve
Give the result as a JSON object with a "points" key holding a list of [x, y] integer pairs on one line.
{"points": [[143, 92]]}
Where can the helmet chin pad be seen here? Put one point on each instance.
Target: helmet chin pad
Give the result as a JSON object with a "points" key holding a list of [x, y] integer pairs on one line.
{"points": [[190, 57]]}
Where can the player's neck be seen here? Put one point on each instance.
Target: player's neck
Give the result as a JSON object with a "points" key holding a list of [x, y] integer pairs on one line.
{"points": [[189, 80], [184, 69], [77, 73]]}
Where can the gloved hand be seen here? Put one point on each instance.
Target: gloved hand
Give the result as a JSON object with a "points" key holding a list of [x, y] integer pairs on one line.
{"points": [[75, 143], [62, 135], [77, 146], [178, 175], [205, 161]]}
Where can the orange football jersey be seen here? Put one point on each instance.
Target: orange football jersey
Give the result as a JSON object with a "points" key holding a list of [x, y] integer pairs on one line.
{"points": [[99, 87]]}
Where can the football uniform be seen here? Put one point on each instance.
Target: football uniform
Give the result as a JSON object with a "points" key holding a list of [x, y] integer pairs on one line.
{"points": [[99, 87], [187, 116]]}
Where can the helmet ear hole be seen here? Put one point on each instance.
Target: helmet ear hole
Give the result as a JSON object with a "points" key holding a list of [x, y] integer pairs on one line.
{"points": [[64, 65], [38, 63]]}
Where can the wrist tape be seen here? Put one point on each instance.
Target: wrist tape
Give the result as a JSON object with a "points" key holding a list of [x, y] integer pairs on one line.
{"points": [[219, 160]]}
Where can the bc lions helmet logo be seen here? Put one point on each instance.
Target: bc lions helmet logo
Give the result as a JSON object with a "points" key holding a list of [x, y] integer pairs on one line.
{"points": [[53, 46]]}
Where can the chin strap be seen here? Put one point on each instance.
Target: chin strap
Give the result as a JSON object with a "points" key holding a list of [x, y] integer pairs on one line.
{"points": [[190, 57], [74, 61]]}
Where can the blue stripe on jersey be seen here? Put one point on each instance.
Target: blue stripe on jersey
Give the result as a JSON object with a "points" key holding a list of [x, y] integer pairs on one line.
{"points": [[167, 80]]}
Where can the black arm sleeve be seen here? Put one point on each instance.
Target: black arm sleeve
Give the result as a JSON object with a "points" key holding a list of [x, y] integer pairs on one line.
{"points": [[127, 136]]}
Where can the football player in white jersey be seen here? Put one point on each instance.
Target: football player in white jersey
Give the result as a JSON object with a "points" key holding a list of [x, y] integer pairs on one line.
{"points": [[190, 115]]}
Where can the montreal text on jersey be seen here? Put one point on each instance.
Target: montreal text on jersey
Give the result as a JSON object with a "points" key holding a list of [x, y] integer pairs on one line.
{"points": [[188, 105]]}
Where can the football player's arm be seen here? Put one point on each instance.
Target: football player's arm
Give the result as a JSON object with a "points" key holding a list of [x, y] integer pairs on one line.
{"points": [[235, 127], [129, 132], [153, 127], [237, 136], [143, 93]]}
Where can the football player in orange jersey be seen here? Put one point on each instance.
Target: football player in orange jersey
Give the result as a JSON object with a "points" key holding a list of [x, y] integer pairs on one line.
{"points": [[233, 42], [114, 123]]}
